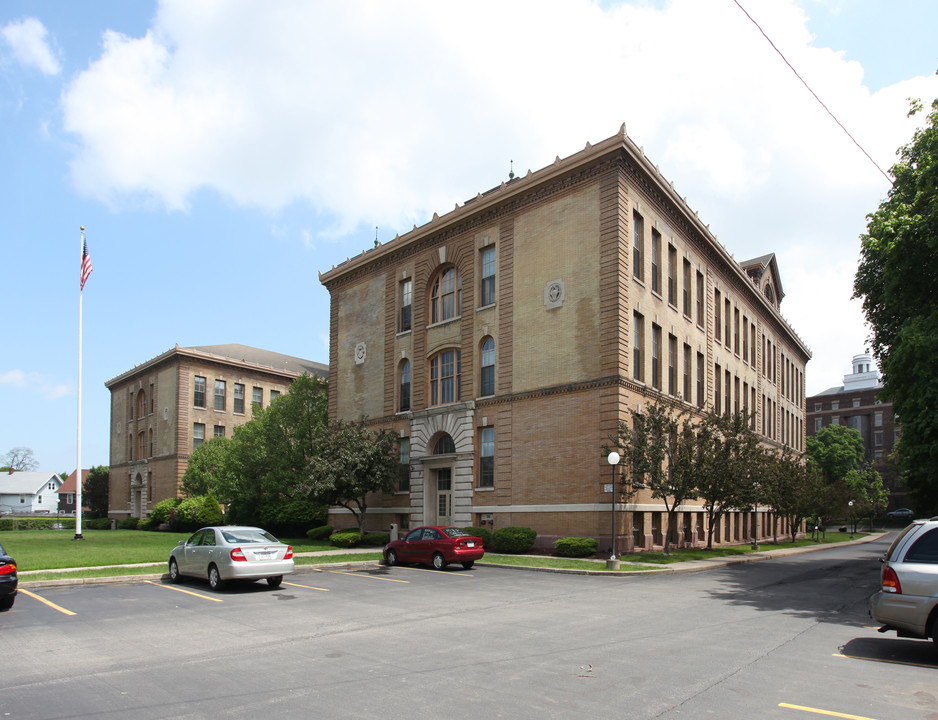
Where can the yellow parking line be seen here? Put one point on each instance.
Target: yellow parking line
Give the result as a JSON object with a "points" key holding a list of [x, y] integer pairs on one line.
{"points": [[50, 604], [884, 660], [187, 592], [444, 572], [370, 577], [310, 587], [824, 712]]}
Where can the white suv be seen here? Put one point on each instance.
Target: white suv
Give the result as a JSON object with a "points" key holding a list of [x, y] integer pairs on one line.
{"points": [[907, 602]]}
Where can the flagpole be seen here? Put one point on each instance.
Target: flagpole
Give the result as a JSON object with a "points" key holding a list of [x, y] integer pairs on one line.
{"points": [[78, 535]]}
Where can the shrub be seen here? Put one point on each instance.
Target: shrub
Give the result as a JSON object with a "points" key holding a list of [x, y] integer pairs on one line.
{"points": [[514, 540], [210, 512], [129, 523], [346, 538], [320, 533], [160, 512], [376, 539], [486, 535], [49, 523], [146, 523], [576, 546], [97, 523]]}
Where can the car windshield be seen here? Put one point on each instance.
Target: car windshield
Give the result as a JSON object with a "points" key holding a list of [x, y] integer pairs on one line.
{"points": [[456, 532], [248, 535]]}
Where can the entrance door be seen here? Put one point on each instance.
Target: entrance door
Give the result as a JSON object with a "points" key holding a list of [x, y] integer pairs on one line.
{"points": [[444, 496]]}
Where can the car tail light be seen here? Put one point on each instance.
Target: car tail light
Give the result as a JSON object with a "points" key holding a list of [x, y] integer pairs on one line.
{"points": [[289, 553], [7, 568], [891, 581], [237, 555]]}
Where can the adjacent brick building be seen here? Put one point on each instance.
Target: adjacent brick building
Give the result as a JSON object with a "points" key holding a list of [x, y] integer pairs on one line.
{"points": [[163, 409], [506, 339]]}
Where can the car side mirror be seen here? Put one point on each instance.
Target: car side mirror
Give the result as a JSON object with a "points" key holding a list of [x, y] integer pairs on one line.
{"points": [[182, 542]]}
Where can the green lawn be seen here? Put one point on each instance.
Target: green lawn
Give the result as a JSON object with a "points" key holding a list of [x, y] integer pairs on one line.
{"points": [[47, 549]]}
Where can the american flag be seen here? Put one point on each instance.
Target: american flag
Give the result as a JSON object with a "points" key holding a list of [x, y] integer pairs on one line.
{"points": [[85, 263]]}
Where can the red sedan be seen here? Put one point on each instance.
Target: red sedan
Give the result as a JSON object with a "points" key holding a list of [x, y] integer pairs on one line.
{"points": [[436, 546]]}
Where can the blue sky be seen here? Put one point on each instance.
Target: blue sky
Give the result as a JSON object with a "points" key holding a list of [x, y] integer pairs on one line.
{"points": [[221, 154]]}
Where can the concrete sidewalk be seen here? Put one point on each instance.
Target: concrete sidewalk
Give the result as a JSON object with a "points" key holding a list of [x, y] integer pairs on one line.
{"points": [[689, 566]]}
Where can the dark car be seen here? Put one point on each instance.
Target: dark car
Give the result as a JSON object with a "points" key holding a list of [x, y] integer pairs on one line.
{"points": [[901, 514], [436, 546], [8, 580], [907, 601]]}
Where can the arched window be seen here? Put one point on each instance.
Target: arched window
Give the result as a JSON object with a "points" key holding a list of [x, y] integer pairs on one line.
{"points": [[141, 404], [446, 296], [769, 293], [444, 446], [488, 367], [405, 386], [445, 378]]}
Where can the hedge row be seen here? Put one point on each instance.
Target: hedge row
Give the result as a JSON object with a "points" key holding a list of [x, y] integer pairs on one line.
{"points": [[45, 523]]}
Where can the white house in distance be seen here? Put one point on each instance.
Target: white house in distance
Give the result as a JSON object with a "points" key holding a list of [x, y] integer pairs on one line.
{"points": [[29, 492]]}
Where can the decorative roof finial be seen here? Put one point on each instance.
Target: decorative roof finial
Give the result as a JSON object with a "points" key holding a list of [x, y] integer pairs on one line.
{"points": [[376, 236], [511, 170]]}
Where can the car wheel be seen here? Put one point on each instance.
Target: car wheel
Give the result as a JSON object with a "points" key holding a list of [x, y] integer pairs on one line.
{"points": [[468, 564], [275, 581], [391, 557], [173, 570], [214, 578], [439, 562], [7, 603]]}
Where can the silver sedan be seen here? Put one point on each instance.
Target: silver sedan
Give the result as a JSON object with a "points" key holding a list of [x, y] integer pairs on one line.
{"points": [[231, 552]]}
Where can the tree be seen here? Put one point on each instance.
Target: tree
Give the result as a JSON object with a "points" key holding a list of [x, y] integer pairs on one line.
{"points": [[867, 494], [351, 463], [206, 467], [95, 491], [836, 450], [661, 448], [20, 459], [794, 490], [896, 280]]}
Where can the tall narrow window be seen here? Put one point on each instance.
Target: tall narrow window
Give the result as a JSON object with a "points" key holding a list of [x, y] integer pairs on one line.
{"points": [[488, 367], [752, 344], [487, 458], [736, 394], [655, 261], [638, 233], [687, 291], [745, 338], [688, 359], [198, 394], [407, 304], [717, 388], [727, 392], [701, 321], [736, 330], [638, 329], [701, 390], [672, 275], [717, 315], [257, 396], [672, 365], [239, 398], [655, 357], [446, 296], [727, 312], [445, 370], [488, 276], [405, 386], [403, 482], [219, 394], [274, 394], [198, 434]]}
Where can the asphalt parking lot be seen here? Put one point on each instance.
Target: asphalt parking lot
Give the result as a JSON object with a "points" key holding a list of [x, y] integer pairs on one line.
{"points": [[784, 638]]}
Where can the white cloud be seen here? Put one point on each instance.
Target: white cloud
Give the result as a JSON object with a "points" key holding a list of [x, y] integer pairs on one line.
{"points": [[380, 114], [35, 382], [27, 40]]}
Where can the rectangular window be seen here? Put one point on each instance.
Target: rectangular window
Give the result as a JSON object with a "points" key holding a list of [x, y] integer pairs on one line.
{"points": [[701, 320], [407, 303], [701, 390], [835, 421], [878, 438], [672, 275], [688, 359], [687, 290], [219, 431], [717, 388], [638, 233], [736, 394], [655, 261], [198, 434], [198, 393], [488, 276], [717, 315], [403, 482], [727, 311], [274, 394], [745, 338], [655, 357], [445, 371], [818, 424], [727, 390], [856, 402], [878, 419], [239, 398], [487, 458], [257, 396], [736, 330], [638, 329], [672, 365], [220, 394], [835, 405]]}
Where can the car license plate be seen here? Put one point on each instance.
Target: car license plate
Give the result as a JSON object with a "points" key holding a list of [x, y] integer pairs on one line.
{"points": [[264, 555], [471, 543]]}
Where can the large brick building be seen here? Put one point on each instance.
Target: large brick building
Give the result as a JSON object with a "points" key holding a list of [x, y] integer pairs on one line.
{"points": [[506, 339], [165, 408]]}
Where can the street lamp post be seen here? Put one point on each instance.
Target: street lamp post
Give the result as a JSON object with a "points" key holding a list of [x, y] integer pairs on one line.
{"points": [[755, 537], [613, 563]]}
